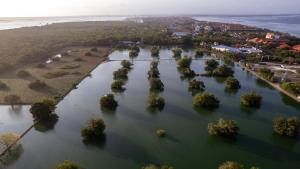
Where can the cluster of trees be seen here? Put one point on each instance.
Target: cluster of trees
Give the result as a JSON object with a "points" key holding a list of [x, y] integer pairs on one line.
{"points": [[120, 76], [206, 100], [68, 165], [108, 102], [155, 51], [251, 99], [290, 87], [43, 111], [233, 165], [266, 74], [232, 83], [37, 85], [223, 128], [286, 126], [3, 86], [134, 51], [126, 64], [117, 85], [196, 85], [94, 129], [199, 52], [153, 72], [213, 69], [184, 67], [121, 73]]}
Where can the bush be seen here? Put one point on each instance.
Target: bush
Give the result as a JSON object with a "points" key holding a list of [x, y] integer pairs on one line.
{"points": [[41, 65], [88, 54], [161, 132], [121, 74], [153, 73], [184, 62], [56, 74], [251, 99], [78, 59], [231, 165], [177, 52], [12, 99], [292, 88], [232, 83], [42, 111], [266, 74], [206, 100], [196, 85], [211, 65], [155, 51], [68, 165], [156, 84], [94, 129], [199, 52], [154, 64], [135, 48], [117, 85], [50, 103], [223, 128], [223, 71], [126, 64], [3, 86], [108, 101], [23, 74], [133, 53], [94, 49], [37, 85], [286, 126], [188, 73], [155, 101], [151, 166]]}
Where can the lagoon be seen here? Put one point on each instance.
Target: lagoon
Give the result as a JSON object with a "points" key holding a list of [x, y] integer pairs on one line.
{"points": [[131, 141]]}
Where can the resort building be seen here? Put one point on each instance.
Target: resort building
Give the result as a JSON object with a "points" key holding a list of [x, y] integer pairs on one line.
{"points": [[272, 36], [296, 48], [224, 48], [179, 35], [250, 50]]}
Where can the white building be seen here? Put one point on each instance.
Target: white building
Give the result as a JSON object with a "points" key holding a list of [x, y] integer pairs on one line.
{"points": [[179, 35], [250, 50], [224, 48]]}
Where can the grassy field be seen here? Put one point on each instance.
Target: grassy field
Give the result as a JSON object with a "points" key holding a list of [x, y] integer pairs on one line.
{"points": [[70, 69]]}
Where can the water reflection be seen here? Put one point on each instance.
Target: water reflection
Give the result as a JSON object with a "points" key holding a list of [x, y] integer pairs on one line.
{"points": [[11, 157], [46, 126]]}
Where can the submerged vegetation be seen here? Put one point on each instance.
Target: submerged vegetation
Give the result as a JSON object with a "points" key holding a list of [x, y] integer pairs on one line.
{"points": [[211, 65], [121, 73], [155, 51], [184, 62], [206, 100], [117, 85], [196, 85], [223, 71], [108, 101], [156, 84], [232, 83], [68, 165], [286, 126], [126, 64], [177, 52], [223, 128], [155, 101], [43, 111], [94, 129], [251, 99]]}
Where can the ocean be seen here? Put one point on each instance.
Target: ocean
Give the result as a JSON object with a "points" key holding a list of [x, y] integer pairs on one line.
{"points": [[283, 23]]}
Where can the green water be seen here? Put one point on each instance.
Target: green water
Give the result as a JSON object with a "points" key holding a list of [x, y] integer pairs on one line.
{"points": [[131, 141]]}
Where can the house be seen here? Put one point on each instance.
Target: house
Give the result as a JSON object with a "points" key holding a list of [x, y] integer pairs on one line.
{"points": [[179, 35], [208, 29], [256, 40], [272, 36], [224, 48], [250, 50], [296, 48], [284, 46]]}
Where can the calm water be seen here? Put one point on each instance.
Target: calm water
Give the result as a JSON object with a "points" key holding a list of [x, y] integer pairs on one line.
{"points": [[283, 23], [131, 141]]}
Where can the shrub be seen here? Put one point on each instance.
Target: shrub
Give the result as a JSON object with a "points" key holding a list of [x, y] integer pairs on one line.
{"points": [[68, 165], [12, 99], [223, 71], [161, 132], [206, 100], [232, 83], [156, 84], [184, 62], [56, 74], [155, 101], [121, 74], [23, 74], [177, 52], [117, 85], [223, 128], [151, 166], [108, 101], [94, 129], [286, 126], [3, 86], [211, 65], [155, 51], [154, 64], [153, 73], [50, 103], [42, 111], [94, 49], [126, 64], [188, 73], [41, 65], [133, 53], [78, 59], [88, 54], [135, 48], [37, 85], [251, 99], [231, 165], [292, 88], [266, 73], [196, 85]]}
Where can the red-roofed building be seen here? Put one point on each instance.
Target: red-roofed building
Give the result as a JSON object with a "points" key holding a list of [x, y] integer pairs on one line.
{"points": [[256, 40], [272, 36], [284, 46], [297, 48]]}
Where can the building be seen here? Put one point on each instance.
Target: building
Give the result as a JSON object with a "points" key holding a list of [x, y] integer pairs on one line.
{"points": [[179, 35], [284, 46], [272, 36], [224, 48], [250, 50], [256, 40], [208, 29], [296, 48]]}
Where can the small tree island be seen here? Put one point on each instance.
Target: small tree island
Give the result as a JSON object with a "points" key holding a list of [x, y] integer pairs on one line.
{"points": [[232, 83], [251, 99], [94, 129], [108, 101], [286, 126], [223, 128], [206, 100]]}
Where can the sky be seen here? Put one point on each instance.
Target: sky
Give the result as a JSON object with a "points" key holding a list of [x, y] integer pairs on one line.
{"points": [[35, 8]]}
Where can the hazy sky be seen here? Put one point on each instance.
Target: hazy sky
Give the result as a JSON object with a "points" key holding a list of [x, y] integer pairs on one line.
{"points": [[144, 7]]}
